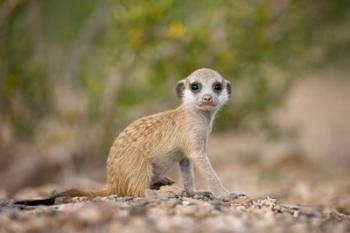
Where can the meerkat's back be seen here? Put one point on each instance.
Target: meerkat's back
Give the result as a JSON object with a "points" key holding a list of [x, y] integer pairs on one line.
{"points": [[129, 164]]}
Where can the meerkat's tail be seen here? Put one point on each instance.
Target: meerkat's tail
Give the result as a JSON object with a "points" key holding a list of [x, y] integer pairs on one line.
{"points": [[69, 193], [79, 193]]}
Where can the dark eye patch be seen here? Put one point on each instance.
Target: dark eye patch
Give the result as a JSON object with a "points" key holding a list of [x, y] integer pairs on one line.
{"points": [[195, 87], [217, 87]]}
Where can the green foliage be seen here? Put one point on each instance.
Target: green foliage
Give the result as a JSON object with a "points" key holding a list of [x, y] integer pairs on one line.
{"points": [[152, 44]]}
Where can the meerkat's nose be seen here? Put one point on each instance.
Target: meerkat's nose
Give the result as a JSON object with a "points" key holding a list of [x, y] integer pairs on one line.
{"points": [[207, 98]]}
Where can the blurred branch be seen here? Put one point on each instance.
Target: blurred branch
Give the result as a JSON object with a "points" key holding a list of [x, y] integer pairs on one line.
{"points": [[7, 9], [84, 38]]}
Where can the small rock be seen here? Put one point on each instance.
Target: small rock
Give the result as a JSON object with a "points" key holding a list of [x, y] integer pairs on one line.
{"points": [[186, 210], [216, 205], [164, 193], [151, 195], [139, 210], [171, 203], [92, 213], [310, 211]]}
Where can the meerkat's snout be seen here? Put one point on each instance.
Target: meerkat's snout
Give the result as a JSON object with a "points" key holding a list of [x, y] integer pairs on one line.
{"points": [[207, 99], [204, 89]]}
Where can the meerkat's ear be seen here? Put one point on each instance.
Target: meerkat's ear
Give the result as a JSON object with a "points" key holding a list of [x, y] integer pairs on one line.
{"points": [[180, 87], [228, 87]]}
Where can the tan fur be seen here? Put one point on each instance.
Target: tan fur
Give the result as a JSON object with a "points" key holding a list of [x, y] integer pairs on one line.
{"points": [[129, 170], [79, 193], [150, 145]]}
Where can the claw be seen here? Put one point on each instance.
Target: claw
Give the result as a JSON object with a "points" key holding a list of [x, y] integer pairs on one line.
{"points": [[202, 195]]}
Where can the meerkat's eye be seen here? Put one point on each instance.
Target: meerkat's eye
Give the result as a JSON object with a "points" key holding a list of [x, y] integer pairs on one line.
{"points": [[196, 86], [217, 87]]}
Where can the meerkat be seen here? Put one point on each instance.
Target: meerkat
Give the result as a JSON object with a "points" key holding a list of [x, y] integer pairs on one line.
{"points": [[146, 149]]}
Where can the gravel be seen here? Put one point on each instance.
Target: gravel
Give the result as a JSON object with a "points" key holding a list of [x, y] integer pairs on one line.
{"points": [[167, 210]]}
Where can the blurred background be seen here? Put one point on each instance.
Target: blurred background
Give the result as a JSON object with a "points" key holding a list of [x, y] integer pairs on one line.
{"points": [[74, 73]]}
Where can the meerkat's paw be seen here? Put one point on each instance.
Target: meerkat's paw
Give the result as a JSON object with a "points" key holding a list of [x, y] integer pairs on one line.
{"points": [[201, 195], [232, 196], [161, 182]]}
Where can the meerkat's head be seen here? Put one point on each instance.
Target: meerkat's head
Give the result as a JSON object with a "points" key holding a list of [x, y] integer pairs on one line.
{"points": [[205, 89]]}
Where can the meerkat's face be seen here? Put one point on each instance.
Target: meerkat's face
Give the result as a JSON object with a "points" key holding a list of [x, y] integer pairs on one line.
{"points": [[205, 89]]}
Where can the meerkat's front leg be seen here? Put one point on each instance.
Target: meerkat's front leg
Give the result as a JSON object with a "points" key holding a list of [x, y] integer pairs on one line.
{"points": [[202, 163], [187, 180]]}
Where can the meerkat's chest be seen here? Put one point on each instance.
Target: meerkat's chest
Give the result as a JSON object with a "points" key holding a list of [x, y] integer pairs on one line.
{"points": [[197, 131]]}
